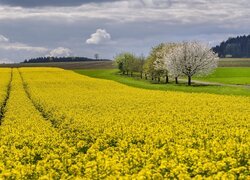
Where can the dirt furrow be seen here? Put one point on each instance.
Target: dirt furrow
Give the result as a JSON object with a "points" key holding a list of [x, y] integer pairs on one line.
{"points": [[3, 107]]}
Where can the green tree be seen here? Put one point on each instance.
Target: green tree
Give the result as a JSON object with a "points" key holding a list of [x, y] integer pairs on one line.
{"points": [[139, 63], [126, 62], [155, 66], [149, 64]]}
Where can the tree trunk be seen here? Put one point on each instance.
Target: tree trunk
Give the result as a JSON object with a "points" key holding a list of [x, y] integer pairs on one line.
{"points": [[176, 80], [189, 80], [159, 79], [141, 75], [123, 72], [167, 80], [146, 77], [131, 74], [127, 73]]}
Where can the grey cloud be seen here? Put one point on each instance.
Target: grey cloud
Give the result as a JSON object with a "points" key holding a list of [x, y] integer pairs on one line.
{"points": [[3, 39], [178, 12], [135, 25], [39, 3]]}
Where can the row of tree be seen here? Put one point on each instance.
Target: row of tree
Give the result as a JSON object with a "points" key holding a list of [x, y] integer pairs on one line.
{"points": [[62, 59], [170, 60]]}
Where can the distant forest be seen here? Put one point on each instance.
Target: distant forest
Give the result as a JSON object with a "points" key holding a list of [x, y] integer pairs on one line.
{"points": [[61, 59], [238, 47]]}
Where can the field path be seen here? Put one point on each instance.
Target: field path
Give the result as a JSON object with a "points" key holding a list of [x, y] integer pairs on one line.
{"points": [[4, 103], [36, 106], [217, 84]]}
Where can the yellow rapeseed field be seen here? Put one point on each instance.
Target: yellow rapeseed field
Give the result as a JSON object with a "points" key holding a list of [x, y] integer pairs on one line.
{"points": [[57, 124]]}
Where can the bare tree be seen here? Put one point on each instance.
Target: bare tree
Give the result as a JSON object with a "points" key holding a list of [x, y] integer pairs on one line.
{"points": [[96, 56]]}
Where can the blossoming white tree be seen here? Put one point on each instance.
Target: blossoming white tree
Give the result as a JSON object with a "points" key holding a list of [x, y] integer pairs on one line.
{"points": [[159, 64], [191, 58], [172, 63], [160, 68]]}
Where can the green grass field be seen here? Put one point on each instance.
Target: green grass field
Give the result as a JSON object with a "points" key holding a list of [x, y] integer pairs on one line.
{"points": [[113, 74], [234, 75]]}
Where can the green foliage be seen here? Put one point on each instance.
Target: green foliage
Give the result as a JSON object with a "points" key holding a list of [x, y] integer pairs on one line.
{"points": [[154, 64], [149, 64], [129, 63], [125, 62], [140, 61]]}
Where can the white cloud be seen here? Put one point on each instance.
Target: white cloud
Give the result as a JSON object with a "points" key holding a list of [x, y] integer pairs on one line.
{"points": [[99, 37], [60, 52], [3, 39]]}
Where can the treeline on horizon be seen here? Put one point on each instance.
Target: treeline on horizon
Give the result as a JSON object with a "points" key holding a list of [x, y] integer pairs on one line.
{"points": [[61, 59], [238, 47]]}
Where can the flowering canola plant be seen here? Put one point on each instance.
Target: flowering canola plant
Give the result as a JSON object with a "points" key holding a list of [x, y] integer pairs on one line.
{"points": [[61, 125]]}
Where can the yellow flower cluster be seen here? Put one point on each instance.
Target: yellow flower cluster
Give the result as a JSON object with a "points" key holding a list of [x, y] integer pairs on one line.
{"points": [[62, 125]]}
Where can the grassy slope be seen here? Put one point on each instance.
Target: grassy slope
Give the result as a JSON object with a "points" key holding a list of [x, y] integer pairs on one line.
{"points": [[229, 76], [113, 75]]}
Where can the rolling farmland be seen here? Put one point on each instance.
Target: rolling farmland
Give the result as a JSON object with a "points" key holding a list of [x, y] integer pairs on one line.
{"points": [[224, 62], [59, 124]]}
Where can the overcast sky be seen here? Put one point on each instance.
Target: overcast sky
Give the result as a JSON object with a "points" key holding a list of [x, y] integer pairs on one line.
{"points": [[32, 28]]}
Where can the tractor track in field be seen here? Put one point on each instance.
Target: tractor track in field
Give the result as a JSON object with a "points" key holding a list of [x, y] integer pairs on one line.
{"points": [[221, 84], [217, 84], [55, 123], [3, 107], [39, 108]]}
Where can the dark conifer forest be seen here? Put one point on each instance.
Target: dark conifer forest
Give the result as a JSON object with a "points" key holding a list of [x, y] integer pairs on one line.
{"points": [[238, 47]]}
